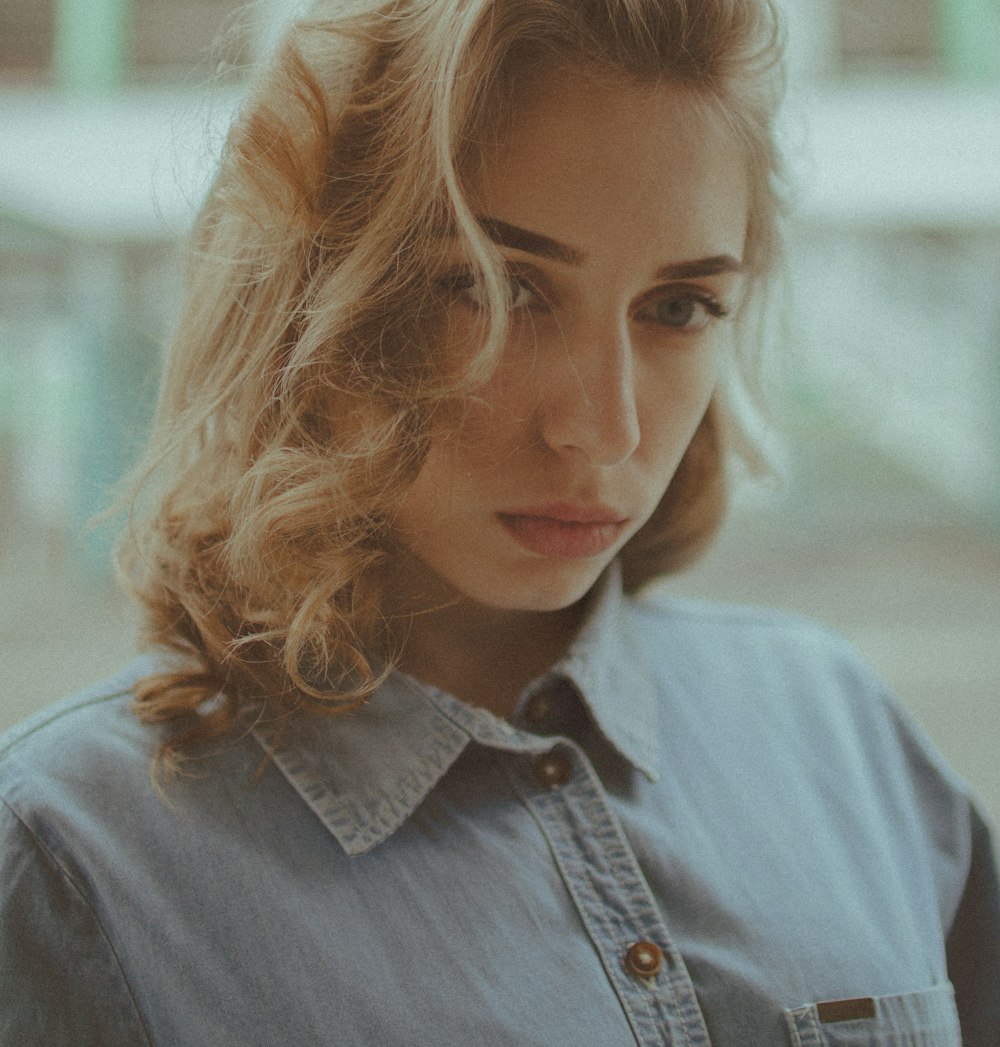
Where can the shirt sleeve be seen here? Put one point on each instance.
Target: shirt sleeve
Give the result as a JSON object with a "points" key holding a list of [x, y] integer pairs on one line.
{"points": [[974, 943], [60, 980]]}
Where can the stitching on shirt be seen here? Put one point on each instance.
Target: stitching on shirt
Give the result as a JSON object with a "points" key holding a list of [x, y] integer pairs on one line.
{"points": [[814, 1025], [638, 900], [560, 834], [647, 1001], [84, 900], [732, 613], [23, 732], [554, 835], [803, 1027]]}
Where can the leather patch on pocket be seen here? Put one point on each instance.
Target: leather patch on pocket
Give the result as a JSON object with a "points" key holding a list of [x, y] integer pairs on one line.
{"points": [[845, 1010]]}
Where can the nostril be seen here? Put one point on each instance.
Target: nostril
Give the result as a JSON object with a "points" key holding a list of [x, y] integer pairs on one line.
{"points": [[590, 407]]}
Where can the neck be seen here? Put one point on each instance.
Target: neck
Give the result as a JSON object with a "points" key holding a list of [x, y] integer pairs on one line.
{"points": [[480, 654]]}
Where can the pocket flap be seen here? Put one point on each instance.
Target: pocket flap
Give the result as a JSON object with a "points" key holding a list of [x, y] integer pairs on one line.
{"points": [[919, 1019]]}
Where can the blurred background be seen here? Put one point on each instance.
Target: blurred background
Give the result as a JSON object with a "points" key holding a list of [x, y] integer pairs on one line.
{"points": [[883, 519]]}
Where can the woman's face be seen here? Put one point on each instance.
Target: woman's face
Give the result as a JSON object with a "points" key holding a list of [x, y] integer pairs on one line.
{"points": [[621, 212]]}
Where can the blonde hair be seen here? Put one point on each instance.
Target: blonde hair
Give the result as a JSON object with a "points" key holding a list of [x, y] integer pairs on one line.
{"points": [[302, 381]]}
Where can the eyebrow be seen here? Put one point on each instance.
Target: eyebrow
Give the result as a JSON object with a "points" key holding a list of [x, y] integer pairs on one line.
{"points": [[714, 266], [506, 235]]}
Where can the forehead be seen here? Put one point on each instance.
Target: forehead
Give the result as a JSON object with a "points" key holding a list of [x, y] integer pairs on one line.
{"points": [[592, 158]]}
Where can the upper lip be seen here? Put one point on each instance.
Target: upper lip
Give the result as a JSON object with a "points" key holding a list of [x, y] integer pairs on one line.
{"points": [[570, 512]]}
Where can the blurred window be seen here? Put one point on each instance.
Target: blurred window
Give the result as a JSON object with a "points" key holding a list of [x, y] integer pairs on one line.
{"points": [[171, 40], [172, 37], [166, 39], [896, 36], [26, 40]]}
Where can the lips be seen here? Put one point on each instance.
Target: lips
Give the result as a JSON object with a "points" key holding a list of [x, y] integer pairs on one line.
{"points": [[564, 530]]}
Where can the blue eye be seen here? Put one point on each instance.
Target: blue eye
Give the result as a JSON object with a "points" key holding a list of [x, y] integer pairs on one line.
{"points": [[683, 309], [467, 287]]}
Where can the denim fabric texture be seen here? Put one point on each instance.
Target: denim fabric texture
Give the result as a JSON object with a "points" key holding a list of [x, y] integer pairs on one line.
{"points": [[729, 785]]}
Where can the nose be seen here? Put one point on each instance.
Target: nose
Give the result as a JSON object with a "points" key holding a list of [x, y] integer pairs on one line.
{"points": [[588, 403]]}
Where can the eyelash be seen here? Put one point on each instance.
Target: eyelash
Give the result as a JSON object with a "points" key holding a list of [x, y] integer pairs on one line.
{"points": [[714, 309], [455, 284]]}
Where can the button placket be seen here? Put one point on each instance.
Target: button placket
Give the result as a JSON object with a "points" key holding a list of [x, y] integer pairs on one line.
{"points": [[622, 919]]}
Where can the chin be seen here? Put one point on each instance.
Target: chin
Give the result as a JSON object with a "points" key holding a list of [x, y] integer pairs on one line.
{"points": [[541, 587]]}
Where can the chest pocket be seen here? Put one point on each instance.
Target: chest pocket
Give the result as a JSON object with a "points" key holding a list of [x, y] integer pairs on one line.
{"points": [[921, 1019]]}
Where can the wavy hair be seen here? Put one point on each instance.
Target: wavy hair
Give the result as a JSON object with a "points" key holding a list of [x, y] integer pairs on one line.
{"points": [[302, 381]]}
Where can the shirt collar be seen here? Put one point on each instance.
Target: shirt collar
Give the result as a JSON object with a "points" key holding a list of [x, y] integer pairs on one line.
{"points": [[364, 772], [609, 667]]}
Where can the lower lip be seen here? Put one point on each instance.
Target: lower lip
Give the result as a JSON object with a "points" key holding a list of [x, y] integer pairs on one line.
{"points": [[563, 539]]}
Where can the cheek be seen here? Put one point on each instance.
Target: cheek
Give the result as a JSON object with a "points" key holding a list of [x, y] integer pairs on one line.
{"points": [[672, 407], [673, 388], [485, 428], [474, 440]]}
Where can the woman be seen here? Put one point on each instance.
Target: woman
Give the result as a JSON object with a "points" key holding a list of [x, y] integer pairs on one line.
{"points": [[466, 301]]}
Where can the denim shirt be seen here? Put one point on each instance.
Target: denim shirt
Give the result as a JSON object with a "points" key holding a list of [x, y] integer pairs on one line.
{"points": [[706, 825]]}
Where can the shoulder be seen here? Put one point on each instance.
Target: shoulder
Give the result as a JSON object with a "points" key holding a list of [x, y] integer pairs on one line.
{"points": [[78, 772], [91, 735], [778, 661], [756, 642], [659, 609], [70, 783], [802, 685], [77, 776], [76, 786]]}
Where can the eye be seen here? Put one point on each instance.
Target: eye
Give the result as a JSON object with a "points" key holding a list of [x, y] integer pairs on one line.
{"points": [[467, 287], [683, 309]]}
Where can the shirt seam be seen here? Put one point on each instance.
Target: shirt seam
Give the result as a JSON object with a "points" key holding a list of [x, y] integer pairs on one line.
{"points": [[572, 889], [727, 614], [24, 731], [79, 893]]}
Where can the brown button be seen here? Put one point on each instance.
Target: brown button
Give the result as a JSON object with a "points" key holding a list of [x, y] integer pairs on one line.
{"points": [[643, 959], [552, 769], [540, 709]]}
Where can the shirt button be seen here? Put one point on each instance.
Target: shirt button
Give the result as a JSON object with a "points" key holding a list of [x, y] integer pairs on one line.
{"points": [[643, 959], [552, 769], [540, 710]]}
